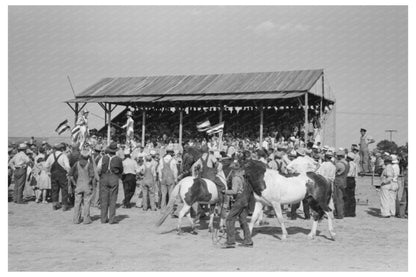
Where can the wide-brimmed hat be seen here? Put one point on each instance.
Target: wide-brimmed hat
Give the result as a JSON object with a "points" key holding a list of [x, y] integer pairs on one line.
{"points": [[355, 147], [363, 130], [301, 151], [98, 148], [85, 153], [112, 148], [341, 153], [351, 156], [59, 146], [22, 146], [169, 148]]}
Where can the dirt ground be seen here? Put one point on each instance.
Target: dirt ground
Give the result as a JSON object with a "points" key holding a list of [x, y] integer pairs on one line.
{"points": [[41, 239]]}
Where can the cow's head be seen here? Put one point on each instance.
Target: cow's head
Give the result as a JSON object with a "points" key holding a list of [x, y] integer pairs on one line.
{"points": [[254, 172]]}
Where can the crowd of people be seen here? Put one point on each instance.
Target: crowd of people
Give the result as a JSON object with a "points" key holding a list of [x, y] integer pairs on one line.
{"points": [[69, 177]]}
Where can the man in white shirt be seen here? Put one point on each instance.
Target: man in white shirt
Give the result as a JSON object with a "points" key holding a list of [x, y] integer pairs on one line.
{"points": [[365, 140], [301, 165], [58, 165], [130, 170], [349, 204], [18, 164]]}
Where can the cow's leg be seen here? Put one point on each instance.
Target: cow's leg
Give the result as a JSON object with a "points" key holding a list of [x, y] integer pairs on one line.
{"points": [[185, 209], [330, 215], [312, 233], [211, 218], [188, 215], [279, 215], [257, 210]]}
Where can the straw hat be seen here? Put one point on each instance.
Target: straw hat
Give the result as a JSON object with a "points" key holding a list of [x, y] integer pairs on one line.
{"points": [[351, 156], [112, 148], [22, 146], [301, 152], [340, 153]]}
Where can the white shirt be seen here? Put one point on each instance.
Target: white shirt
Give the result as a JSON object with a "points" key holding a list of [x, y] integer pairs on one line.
{"points": [[130, 166], [327, 169]]}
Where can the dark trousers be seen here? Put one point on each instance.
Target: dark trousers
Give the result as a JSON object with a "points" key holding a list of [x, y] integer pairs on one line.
{"points": [[129, 187], [238, 211], [349, 204], [19, 184], [295, 206], [108, 197], [59, 182], [338, 197]]}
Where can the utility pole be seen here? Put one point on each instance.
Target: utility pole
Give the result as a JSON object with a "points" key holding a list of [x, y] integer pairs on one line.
{"points": [[391, 133]]}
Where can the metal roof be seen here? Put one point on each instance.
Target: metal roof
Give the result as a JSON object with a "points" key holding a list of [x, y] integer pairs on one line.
{"points": [[234, 86]]}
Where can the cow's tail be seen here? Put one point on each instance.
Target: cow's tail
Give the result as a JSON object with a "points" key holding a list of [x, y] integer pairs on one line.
{"points": [[169, 208]]}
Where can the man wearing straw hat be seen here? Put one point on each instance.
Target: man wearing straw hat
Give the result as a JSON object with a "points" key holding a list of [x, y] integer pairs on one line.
{"points": [[110, 168], [19, 164]]}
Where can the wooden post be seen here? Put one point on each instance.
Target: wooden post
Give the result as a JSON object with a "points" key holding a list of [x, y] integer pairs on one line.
{"points": [[261, 125], [323, 93], [306, 116], [108, 124], [143, 127], [76, 112], [180, 125], [221, 109]]}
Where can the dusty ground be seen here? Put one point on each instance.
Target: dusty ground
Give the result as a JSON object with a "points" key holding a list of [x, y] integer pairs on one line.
{"points": [[44, 240]]}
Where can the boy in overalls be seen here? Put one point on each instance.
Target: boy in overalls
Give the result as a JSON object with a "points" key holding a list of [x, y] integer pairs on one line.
{"points": [[82, 175]]}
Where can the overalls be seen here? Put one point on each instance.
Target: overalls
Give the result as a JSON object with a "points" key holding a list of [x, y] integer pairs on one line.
{"points": [[167, 184], [148, 188], [364, 154], [59, 181], [340, 185], [108, 192], [239, 211], [83, 194]]}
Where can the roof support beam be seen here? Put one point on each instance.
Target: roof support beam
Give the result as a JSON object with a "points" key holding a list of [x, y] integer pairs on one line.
{"points": [[180, 125], [143, 127], [306, 117], [109, 124], [261, 126]]}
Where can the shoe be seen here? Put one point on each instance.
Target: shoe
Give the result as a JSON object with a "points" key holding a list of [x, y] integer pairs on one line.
{"points": [[65, 208], [104, 222], [139, 207], [226, 245], [112, 222], [387, 216], [87, 221], [44, 202], [37, 201], [249, 245]]}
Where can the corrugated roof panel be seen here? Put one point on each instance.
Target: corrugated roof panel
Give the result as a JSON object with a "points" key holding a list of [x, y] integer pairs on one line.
{"points": [[243, 84]]}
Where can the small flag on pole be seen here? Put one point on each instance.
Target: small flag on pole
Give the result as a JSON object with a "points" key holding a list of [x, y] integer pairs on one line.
{"points": [[62, 127], [216, 128], [203, 126]]}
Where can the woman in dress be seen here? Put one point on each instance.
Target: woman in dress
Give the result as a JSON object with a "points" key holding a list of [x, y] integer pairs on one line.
{"points": [[43, 180], [388, 189]]}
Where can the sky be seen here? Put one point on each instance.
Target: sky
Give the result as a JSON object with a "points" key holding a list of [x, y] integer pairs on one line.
{"points": [[362, 49]]}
